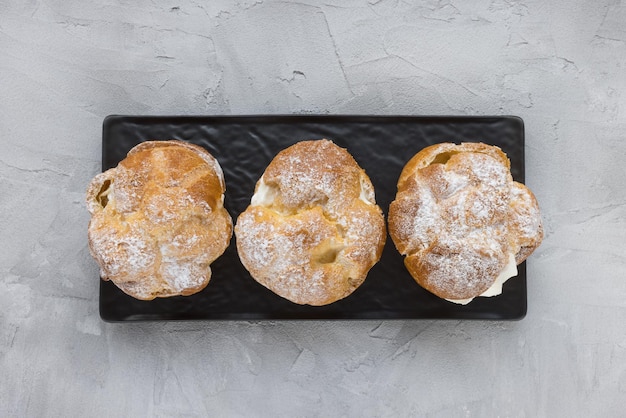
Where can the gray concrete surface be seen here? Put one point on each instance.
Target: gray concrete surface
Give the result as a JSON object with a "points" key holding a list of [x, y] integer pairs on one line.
{"points": [[560, 65]]}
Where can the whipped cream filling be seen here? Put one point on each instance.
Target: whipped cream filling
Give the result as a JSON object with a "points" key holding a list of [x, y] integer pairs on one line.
{"points": [[510, 270], [367, 193], [264, 195]]}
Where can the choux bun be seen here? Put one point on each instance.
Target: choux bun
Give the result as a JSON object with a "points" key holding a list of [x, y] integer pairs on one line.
{"points": [[158, 219], [313, 229], [461, 221]]}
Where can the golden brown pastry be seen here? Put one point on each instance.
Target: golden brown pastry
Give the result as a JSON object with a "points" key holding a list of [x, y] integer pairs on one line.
{"points": [[461, 221], [313, 229], [158, 219]]}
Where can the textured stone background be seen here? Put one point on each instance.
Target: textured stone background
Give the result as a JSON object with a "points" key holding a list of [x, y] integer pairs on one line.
{"points": [[560, 65]]}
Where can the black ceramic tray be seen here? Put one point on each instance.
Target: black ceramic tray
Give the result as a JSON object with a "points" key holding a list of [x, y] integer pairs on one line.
{"points": [[244, 146]]}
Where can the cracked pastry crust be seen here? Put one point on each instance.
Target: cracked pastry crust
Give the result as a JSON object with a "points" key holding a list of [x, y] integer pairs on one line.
{"points": [[459, 217], [158, 220], [313, 229]]}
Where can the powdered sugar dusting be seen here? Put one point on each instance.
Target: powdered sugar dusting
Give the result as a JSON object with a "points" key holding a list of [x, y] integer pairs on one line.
{"points": [[112, 244], [282, 249], [183, 275]]}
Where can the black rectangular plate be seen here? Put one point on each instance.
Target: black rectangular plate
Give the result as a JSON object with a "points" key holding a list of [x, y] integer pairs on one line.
{"points": [[245, 145]]}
